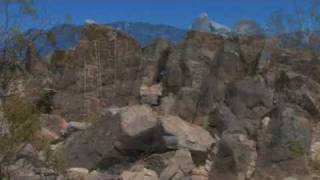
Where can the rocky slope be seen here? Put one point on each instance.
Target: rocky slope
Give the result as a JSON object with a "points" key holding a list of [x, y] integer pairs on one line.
{"points": [[208, 108]]}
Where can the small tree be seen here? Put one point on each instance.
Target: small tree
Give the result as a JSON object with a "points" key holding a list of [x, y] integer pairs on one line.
{"points": [[12, 13], [23, 121], [14, 40], [296, 28]]}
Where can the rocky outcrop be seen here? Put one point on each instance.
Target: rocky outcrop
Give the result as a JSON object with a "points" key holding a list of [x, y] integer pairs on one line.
{"points": [[103, 70], [136, 130], [208, 108]]}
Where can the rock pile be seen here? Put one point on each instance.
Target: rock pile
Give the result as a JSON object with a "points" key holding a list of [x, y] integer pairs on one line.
{"points": [[208, 108]]}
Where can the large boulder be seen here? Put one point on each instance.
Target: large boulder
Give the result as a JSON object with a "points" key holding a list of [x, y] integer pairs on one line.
{"points": [[102, 71], [113, 138], [187, 69], [178, 134], [140, 127], [222, 119]]}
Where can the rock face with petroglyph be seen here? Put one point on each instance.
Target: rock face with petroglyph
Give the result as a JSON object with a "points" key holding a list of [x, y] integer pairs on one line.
{"points": [[102, 71]]}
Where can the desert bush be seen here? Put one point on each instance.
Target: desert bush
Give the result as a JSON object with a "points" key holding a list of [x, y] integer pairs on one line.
{"points": [[23, 121], [55, 158]]}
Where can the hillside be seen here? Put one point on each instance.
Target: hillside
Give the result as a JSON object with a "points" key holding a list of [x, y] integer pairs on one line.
{"points": [[207, 108]]}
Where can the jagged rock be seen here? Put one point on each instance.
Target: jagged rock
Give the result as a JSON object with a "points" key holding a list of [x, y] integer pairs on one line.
{"points": [[104, 70], [242, 89], [89, 148], [186, 104], [167, 104], [236, 158], [151, 94], [187, 67], [34, 64], [140, 125], [250, 53], [154, 61], [285, 142], [179, 167], [250, 94], [222, 119], [179, 134], [299, 89]]}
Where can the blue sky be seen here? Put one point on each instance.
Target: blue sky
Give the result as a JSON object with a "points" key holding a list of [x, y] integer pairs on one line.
{"points": [[178, 13]]}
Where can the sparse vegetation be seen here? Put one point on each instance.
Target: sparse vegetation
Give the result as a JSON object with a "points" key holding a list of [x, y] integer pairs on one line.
{"points": [[55, 157], [23, 121], [296, 149]]}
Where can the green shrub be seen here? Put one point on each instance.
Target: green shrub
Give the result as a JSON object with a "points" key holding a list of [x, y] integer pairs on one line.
{"points": [[55, 158], [23, 120], [296, 149]]}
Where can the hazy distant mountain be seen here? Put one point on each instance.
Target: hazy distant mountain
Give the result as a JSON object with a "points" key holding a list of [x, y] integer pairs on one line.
{"points": [[204, 24], [68, 35], [145, 33]]}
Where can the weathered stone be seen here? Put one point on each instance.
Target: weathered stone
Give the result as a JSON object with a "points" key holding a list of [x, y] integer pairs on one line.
{"points": [[199, 173], [145, 174], [285, 142], [77, 173], [180, 134], [53, 123], [75, 126], [154, 60], [21, 170], [102, 71], [133, 131], [180, 166], [151, 94], [236, 158]]}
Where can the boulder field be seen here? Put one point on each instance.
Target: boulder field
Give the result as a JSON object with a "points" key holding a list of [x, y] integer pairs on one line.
{"points": [[209, 108]]}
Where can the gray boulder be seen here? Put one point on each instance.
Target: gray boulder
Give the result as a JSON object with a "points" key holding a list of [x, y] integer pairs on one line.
{"points": [[129, 131], [179, 134]]}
